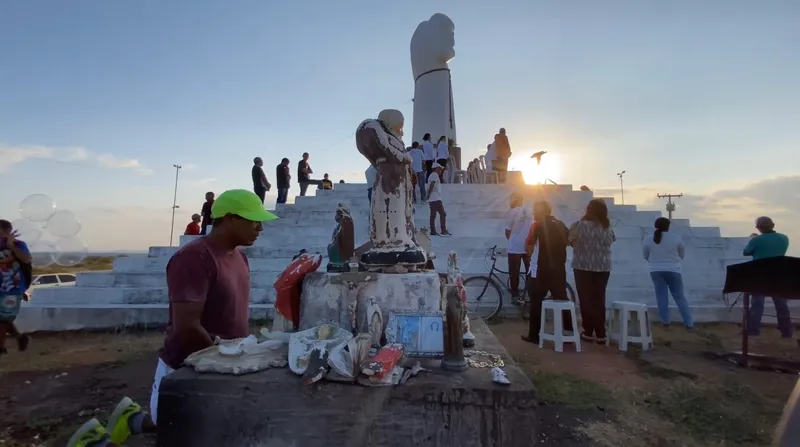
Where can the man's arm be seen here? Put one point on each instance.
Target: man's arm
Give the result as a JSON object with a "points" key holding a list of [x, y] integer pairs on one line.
{"points": [[530, 241], [189, 278], [21, 252], [509, 224], [750, 248]]}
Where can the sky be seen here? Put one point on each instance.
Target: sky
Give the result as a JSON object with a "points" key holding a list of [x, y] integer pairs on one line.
{"points": [[98, 100]]}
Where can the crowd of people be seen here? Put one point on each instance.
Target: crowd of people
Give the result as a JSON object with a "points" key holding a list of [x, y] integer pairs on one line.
{"points": [[540, 242]]}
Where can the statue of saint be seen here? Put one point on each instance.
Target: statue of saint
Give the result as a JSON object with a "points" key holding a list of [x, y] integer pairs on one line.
{"points": [[342, 245], [391, 209]]}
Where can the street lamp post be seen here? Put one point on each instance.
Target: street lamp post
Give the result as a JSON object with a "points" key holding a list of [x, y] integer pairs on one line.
{"points": [[621, 188], [174, 204]]}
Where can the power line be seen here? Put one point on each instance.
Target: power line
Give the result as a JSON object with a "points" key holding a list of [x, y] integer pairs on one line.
{"points": [[670, 204]]}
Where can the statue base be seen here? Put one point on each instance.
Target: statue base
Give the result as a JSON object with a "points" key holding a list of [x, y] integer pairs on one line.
{"points": [[384, 257], [343, 298], [445, 409]]}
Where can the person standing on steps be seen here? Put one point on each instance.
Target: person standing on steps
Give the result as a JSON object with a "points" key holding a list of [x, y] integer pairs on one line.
{"points": [[591, 238], [304, 172], [442, 155], [205, 212], [518, 225], [417, 157], [502, 154], [283, 176], [664, 251], [434, 189], [208, 282], [551, 236], [15, 262], [768, 244], [260, 183], [428, 155]]}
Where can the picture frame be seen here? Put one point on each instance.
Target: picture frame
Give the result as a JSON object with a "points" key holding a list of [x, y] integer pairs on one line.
{"points": [[420, 332]]}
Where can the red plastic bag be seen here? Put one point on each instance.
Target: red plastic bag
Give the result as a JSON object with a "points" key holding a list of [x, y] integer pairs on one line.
{"points": [[289, 286], [383, 362]]}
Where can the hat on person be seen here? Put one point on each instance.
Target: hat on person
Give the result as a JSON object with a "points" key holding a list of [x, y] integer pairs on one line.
{"points": [[435, 165], [242, 203], [765, 222]]}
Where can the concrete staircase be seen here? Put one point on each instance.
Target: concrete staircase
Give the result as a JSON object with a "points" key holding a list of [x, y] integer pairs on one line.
{"points": [[134, 293]]}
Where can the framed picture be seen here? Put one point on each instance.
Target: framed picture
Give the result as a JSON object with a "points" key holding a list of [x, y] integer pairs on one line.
{"points": [[421, 333]]}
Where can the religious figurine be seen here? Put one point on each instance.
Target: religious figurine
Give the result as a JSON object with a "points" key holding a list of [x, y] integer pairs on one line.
{"points": [[453, 359], [391, 209], [455, 278], [341, 248], [432, 48], [374, 322]]}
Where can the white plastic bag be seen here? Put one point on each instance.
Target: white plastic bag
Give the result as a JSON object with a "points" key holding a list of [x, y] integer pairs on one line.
{"points": [[325, 337]]}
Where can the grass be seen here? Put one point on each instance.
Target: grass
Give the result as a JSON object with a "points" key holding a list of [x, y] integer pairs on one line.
{"points": [[91, 263]]}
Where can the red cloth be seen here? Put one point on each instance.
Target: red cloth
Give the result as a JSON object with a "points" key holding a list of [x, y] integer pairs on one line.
{"points": [[192, 229]]}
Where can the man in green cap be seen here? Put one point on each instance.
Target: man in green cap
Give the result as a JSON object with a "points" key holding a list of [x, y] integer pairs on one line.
{"points": [[208, 281]]}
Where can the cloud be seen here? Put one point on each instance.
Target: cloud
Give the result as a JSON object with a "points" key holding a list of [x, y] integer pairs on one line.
{"points": [[201, 182], [734, 210], [13, 155]]}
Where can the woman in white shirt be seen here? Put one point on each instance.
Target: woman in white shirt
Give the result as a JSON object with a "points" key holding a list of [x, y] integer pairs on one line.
{"points": [[428, 155], [442, 154], [665, 251]]}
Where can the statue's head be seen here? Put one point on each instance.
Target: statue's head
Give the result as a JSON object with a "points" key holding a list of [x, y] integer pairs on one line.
{"points": [[342, 212], [433, 44], [394, 120]]}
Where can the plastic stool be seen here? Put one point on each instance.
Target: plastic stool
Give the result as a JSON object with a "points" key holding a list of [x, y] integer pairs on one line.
{"points": [[558, 337], [460, 176], [618, 327]]}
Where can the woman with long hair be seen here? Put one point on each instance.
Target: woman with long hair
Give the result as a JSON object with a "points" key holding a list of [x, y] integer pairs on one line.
{"points": [[591, 238], [664, 251]]}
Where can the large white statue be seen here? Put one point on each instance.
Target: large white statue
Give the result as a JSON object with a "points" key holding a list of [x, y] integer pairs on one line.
{"points": [[432, 48], [391, 210]]}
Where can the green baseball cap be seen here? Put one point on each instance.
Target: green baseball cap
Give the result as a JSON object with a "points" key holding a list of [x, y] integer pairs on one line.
{"points": [[242, 203]]}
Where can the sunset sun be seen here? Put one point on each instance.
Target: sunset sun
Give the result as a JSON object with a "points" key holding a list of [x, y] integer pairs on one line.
{"points": [[533, 173]]}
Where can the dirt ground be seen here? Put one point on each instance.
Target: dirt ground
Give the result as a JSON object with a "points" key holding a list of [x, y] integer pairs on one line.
{"points": [[671, 396]]}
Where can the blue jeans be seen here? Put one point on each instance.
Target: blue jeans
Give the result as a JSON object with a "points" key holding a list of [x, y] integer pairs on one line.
{"points": [[757, 311], [666, 283], [421, 184], [283, 194]]}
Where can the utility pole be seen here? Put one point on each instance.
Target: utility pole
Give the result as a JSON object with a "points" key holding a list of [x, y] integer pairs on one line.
{"points": [[621, 188], [174, 204], [670, 205]]}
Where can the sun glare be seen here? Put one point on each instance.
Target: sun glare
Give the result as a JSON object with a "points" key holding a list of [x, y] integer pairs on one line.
{"points": [[533, 173]]}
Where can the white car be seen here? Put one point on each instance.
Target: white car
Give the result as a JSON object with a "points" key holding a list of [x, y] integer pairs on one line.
{"points": [[52, 280]]}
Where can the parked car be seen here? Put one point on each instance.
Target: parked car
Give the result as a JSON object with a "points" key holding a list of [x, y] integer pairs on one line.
{"points": [[52, 280]]}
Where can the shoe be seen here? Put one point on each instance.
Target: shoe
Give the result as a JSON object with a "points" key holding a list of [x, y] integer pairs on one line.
{"points": [[433, 233], [89, 435], [600, 341], [23, 341], [587, 337], [445, 233], [125, 421]]}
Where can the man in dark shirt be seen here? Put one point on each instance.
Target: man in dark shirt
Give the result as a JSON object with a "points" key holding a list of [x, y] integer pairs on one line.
{"points": [[208, 282], [206, 212], [283, 176], [304, 175], [260, 183], [551, 274]]}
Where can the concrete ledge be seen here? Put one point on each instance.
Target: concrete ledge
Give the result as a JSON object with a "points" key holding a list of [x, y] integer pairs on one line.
{"points": [[274, 408]]}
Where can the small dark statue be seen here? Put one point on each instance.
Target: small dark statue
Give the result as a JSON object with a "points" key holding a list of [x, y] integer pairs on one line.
{"points": [[342, 246]]}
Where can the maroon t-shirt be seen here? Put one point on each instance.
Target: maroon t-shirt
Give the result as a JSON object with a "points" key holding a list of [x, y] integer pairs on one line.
{"points": [[201, 272]]}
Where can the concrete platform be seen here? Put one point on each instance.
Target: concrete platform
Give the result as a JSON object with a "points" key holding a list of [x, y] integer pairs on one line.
{"points": [[274, 408]]}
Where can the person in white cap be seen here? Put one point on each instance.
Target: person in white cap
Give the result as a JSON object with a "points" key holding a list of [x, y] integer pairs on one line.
{"points": [[434, 190]]}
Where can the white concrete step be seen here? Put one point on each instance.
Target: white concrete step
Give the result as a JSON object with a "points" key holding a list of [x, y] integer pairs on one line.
{"points": [[264, 279]]}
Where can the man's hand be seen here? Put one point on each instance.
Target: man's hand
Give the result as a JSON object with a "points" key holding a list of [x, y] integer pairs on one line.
{"points": [[268, 186], [12, 237]]}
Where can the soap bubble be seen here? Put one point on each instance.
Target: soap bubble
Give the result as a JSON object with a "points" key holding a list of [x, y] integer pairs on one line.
{"points": [[42, 254], [70, 251], [63, 223], [37, 207], [27, 231]]}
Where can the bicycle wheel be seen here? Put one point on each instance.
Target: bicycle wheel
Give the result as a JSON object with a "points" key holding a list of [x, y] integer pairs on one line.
{"points": [[484, 296]]}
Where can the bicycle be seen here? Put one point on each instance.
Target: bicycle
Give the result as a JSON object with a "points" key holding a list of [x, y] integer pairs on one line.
{"points": [[494, 283]]}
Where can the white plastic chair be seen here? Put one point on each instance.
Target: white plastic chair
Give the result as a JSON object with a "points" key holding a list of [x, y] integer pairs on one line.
{"points": [[558, 337], [619, 327]]}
